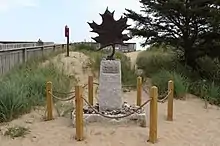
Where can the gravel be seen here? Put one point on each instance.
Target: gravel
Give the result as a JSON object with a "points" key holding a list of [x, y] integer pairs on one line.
{"points": [[126, 109]]}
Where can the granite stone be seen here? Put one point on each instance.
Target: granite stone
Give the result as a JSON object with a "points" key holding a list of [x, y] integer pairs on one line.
{"points": [[110, 88]]}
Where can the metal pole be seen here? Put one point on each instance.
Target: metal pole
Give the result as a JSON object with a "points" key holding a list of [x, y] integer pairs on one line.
{"points": [[67, 46]]}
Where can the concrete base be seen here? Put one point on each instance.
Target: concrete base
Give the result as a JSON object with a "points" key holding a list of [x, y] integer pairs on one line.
{"points": [[139, 119]]}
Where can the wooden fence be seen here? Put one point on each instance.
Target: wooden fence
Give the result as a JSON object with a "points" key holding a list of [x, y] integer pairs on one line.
{"points": [[10, 45], [15, 56], [11, 57]]}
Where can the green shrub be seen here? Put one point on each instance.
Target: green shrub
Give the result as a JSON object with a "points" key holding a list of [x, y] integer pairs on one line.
{"points": [[153, 61], [162, 64], [161, 78], [197, 87], [213, 93], [17, 131], [206, 90], [181, 84], [209, 68], [24, 88]]}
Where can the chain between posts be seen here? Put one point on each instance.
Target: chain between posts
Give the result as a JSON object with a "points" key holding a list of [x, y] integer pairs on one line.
{"points": [[165, 98], [65, 93], [115, 117], [62, 99], [159, 100]]}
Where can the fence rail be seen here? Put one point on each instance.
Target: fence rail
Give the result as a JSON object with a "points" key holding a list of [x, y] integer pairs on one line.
{"points": [[21, 45], [9, 57], [15, 56]]}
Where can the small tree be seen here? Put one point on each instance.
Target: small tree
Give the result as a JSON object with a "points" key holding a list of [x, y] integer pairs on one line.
{"points": [[189, 25]]}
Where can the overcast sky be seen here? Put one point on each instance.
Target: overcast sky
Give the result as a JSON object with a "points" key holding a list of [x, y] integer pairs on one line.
{"points": [[45, 19]]}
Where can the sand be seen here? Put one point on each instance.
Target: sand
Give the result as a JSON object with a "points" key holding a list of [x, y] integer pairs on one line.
{"points": [[193, 125]]}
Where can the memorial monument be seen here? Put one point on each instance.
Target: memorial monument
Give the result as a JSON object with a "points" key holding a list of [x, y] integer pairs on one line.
{"points": [[110, 33], [110, 103]]}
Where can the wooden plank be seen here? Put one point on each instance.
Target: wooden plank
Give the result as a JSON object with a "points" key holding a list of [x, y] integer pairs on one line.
{"points": [[7, 62], [13, 57], [20, 57], [1, 65]]}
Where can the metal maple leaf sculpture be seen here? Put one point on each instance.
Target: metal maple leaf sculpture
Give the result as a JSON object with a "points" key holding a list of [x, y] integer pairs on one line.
{"points": [[110, 31]]}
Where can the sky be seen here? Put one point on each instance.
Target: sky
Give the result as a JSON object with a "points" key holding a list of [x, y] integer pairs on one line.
{"points": [[29, 20]]}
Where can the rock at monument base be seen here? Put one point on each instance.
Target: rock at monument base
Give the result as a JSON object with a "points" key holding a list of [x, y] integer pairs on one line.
{"points": [[137, 119], [110, 87]]}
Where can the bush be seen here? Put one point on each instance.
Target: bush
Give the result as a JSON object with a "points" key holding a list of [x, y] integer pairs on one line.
{"points": [[153, 61], [181, 84], [209, 68], [162, 64], [206, 90], [16, 131], [212, 93], [161, 78], [24, 88]]}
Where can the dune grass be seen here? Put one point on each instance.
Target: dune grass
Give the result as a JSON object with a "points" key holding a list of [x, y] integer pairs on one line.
{"points": [[162, 65], [24, 87]]}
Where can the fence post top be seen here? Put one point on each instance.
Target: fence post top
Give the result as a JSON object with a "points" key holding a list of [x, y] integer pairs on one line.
{"points": [[170, 81], [49, 82], [78, 85], [154, 87]]}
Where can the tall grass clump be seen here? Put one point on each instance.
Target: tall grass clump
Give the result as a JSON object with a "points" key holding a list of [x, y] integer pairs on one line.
{"points": [[24, 87], [161, 78], [209, 68], [153, 61], [128, 74], [161, 65], [209, 91]]}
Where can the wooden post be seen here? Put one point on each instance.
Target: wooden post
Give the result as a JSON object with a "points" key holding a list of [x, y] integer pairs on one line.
{"points": [[139, 90], [90, 89], [49, 101], [170, 101], [67, 47], [153, 115], [67, 35], [79, 113]]}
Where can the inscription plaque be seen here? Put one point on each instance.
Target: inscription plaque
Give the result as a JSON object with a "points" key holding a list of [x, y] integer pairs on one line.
{"points": [[110, 69]]}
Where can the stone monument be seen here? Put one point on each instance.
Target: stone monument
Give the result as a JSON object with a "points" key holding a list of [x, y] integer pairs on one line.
{"points": [[110, 34], [110, 87], [110, 92]]}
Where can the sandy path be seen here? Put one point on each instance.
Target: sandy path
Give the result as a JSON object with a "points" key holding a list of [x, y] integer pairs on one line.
{"points": [[192, 126]]}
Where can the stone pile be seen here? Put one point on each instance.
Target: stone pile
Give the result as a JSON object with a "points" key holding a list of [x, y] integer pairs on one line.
{"points": [[126, 109]]}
